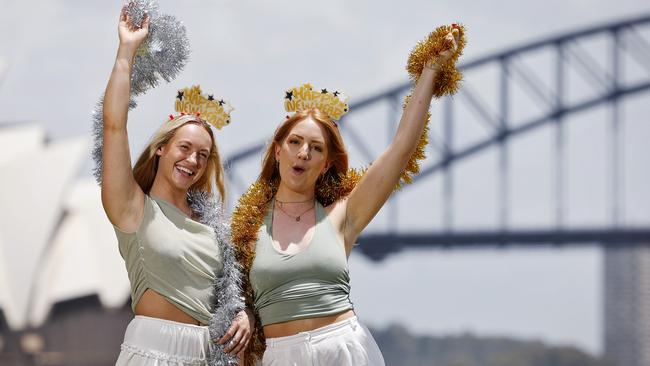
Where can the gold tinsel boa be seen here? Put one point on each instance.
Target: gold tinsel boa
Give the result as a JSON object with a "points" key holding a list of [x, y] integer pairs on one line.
{"points": [[248, 216]]}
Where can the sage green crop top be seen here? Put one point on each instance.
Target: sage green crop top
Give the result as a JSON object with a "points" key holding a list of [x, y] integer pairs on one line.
{"points": [[312, 283], [174, 256]]}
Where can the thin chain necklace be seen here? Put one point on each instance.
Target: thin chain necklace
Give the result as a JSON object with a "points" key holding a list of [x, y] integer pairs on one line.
{"points": [[297, 218], [283, 202]]}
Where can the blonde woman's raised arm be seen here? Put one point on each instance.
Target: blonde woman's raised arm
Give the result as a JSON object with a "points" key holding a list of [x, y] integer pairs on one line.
{"points": [[122, 198]]}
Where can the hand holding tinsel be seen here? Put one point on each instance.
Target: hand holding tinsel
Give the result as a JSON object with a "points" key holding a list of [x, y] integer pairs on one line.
{"points": [[236, 339], [131, 35], [439, 51], [450, 44]]}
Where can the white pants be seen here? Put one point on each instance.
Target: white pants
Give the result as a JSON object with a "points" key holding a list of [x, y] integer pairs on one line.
{"points": [[152, 341], [344, 343]]}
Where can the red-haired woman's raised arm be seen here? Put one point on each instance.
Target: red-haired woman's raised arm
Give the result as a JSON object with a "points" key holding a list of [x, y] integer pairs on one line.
{"points": [[382, 176]]}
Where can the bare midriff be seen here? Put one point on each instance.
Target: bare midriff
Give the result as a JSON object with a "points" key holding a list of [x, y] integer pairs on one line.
{"points": [[154, 305], [294, 327]]}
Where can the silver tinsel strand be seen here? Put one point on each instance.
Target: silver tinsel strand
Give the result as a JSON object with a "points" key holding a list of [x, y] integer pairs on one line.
{"points": [[98, 136], [228, 287]]}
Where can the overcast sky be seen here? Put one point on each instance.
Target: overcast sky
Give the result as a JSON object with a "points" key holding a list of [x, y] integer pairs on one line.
{"points": [[59, 55]]}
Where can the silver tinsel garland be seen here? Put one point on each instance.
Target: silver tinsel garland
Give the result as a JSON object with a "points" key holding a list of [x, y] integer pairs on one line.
{"points": [[161, 56], [228, 287]]}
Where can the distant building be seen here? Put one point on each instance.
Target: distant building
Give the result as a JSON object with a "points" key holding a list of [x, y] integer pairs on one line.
{"points": [[78, 332], [58, 257]]}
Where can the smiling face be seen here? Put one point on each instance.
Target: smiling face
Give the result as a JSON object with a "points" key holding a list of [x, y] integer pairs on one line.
{"points": [[302, 156], [183, 160]]}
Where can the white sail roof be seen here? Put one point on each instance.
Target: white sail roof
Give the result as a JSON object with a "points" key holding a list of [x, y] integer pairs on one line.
{"points": [[55, 241]]}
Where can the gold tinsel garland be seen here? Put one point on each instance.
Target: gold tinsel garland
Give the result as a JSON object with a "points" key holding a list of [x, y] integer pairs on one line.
{"points": [[246, 222], [252, 206], [447, 82], [413, 165]]}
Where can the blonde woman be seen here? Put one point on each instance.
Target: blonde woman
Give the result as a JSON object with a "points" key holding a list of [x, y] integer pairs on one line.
{"points": [[172, 259]]}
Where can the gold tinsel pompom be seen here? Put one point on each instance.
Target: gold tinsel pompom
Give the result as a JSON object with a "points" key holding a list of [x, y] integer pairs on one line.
{"points": [[425, 51]]}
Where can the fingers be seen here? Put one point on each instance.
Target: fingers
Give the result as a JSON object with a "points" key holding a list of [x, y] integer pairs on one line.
{"points": [[145, 22], [451, 41], [123, 14], [235, 340], [233, 343], [237, 337], [229, 333], [456, 33], [126, 18], [243, 347], [240, 345]]}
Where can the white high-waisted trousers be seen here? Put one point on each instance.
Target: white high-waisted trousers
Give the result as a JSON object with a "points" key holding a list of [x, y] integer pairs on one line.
{"points": [[152, 341], [344, 343]]}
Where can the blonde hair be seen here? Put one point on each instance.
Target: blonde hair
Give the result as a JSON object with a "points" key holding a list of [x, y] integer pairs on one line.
{"points": [[146, 167], [337, 156]]}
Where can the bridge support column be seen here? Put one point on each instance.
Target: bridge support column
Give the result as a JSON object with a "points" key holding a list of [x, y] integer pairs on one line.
{"points": [[627, 305]]}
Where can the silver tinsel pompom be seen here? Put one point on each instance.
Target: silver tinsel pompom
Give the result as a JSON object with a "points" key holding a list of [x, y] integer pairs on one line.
{"points": [[165, 51], [228, 287], [98, 136], [137, 9]]}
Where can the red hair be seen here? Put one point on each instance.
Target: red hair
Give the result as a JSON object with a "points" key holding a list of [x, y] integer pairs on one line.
{"points": [[337, 156]]}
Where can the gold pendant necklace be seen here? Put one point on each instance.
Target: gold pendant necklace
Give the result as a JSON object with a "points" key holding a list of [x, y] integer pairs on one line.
{"points": [[297, 218]]}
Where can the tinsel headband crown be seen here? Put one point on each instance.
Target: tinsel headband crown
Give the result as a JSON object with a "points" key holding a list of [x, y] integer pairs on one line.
{"points": [[192, 101], [305, 97]]}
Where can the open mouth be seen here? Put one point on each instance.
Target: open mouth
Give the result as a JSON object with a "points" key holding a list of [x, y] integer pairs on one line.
{"points": [[298, 170], [185, 172]]}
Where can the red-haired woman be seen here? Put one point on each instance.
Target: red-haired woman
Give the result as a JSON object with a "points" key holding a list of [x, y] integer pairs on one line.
{"points": [[304, 227]]}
